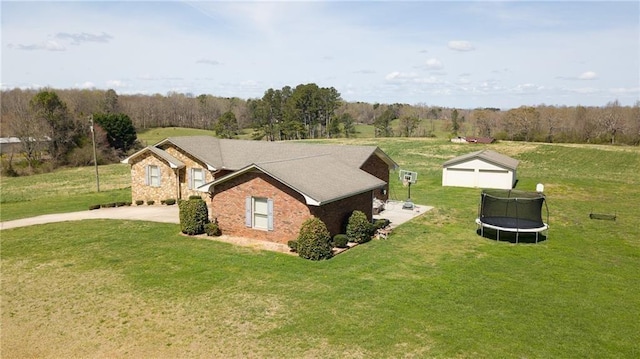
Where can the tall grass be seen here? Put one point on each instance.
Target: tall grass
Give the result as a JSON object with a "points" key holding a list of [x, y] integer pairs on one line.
{"points": [[433, 289]]}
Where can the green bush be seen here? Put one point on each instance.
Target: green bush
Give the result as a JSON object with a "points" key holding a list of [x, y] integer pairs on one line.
{"points": [[194, 215], [314, 240], [293, 245], [170, 201], [94, 206], [212, 229], [193, 196], [380, 223], [359, 229], [109, 205], [150, 202], [340, 240], [163, 202], [139, 202], [121, 204]]}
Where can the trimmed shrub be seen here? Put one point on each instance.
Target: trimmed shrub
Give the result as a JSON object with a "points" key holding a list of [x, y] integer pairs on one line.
{"points": [[170, 201], [139, 202], [109, 205], [380, 223], [121, 204], [314, 240], [150, 202], [359, 229], [163, 202], [94, 206], [194, 215], [340, 240], [212, 229], [127, 204], [293, 245], [193, 196]]}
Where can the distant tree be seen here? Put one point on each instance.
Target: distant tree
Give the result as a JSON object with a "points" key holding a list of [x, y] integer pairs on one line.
{"points": [[226, 126], [63, 132], [455, 125], [333, 130], [408, 124], [611, 121], [110, 104], [119, 129], [348, 125], [522, 123], [382, 124]]}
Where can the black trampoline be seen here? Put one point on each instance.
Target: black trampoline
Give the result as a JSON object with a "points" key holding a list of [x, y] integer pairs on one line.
{"points": [[512, 211]]}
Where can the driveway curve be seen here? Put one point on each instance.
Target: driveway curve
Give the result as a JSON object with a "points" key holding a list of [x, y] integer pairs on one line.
{"points": [[164, 214]]}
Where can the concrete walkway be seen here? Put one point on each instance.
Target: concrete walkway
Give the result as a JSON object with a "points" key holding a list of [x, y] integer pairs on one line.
{"points": [[165, 214], [396, 215]]}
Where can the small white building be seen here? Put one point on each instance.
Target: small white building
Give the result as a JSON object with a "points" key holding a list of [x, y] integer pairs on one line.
{"points": [[480, 169]]}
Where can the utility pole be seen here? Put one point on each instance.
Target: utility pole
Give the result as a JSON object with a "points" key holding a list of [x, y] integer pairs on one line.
{"points": [[95, 160]]}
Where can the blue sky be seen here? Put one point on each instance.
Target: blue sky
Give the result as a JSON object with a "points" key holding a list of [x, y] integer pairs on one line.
{"points": [[453, 54]]}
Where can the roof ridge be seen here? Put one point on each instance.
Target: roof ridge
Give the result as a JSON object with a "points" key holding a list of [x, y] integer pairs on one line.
{"points": [[294, 158]]}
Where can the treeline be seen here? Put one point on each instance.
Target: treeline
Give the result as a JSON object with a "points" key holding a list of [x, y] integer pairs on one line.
{"points": [[310, 111]]}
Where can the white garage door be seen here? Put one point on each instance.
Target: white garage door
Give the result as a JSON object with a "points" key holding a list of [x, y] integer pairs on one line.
{"points": [[494, 179], [461, 177]]}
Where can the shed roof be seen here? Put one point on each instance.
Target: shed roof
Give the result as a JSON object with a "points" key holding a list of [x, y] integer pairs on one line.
{"points": [[487, 155]]}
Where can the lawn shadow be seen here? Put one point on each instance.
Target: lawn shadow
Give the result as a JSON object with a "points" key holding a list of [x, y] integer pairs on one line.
{"points": [[511, 237]]}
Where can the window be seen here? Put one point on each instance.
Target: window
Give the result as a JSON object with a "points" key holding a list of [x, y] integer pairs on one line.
{"points": [[196, 178], [259, 213], [152, 176]]}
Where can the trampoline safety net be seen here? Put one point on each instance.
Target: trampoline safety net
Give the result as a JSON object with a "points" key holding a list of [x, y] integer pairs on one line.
{"points": [[511, 209]]}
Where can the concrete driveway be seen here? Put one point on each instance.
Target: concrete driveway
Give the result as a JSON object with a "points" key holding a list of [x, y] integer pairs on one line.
{"points": [[165, 214]]}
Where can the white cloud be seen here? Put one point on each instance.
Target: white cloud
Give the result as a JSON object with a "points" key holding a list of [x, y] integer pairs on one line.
{"points": [[400, 76], [86, 85], [116, 83], [589, 75], [434, 64], [209, 62], [84, 37], [49, 45], [461, 45]]}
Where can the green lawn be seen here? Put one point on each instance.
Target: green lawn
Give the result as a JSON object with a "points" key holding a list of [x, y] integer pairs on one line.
{"points": [[433, 289]]}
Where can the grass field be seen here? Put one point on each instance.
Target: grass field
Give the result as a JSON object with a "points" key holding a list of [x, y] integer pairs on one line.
{"points": [[433, 289]]}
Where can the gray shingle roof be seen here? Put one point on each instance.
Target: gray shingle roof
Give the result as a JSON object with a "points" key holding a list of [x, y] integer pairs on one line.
{"points": [[320, 179], [487, 155], [173, 162], [322, 173]]}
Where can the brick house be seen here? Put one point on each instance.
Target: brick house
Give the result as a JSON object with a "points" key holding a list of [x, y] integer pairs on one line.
{"points": [[263, 190]]}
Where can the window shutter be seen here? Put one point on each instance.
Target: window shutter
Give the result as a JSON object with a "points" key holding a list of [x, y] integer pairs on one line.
{"points": [[270, 214], [190, 178], [147, 180], [247, 212]]}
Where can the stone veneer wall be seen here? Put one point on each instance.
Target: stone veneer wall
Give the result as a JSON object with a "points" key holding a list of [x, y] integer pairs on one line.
{"points": [[377, 167], [144, 192], [228, 206], [190, 162]]}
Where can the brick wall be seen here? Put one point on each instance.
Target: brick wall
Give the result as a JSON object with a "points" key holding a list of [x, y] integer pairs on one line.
{"points": [[336, 214], [377, 167], [228, 206]]}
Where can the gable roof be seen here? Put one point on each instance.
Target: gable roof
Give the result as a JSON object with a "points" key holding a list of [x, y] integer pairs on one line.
{"points": [[172, 161], [233, 155], [320, 179], [486, 155]]}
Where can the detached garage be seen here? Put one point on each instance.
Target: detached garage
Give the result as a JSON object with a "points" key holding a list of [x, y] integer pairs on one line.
{"points": [[483, 169]]}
